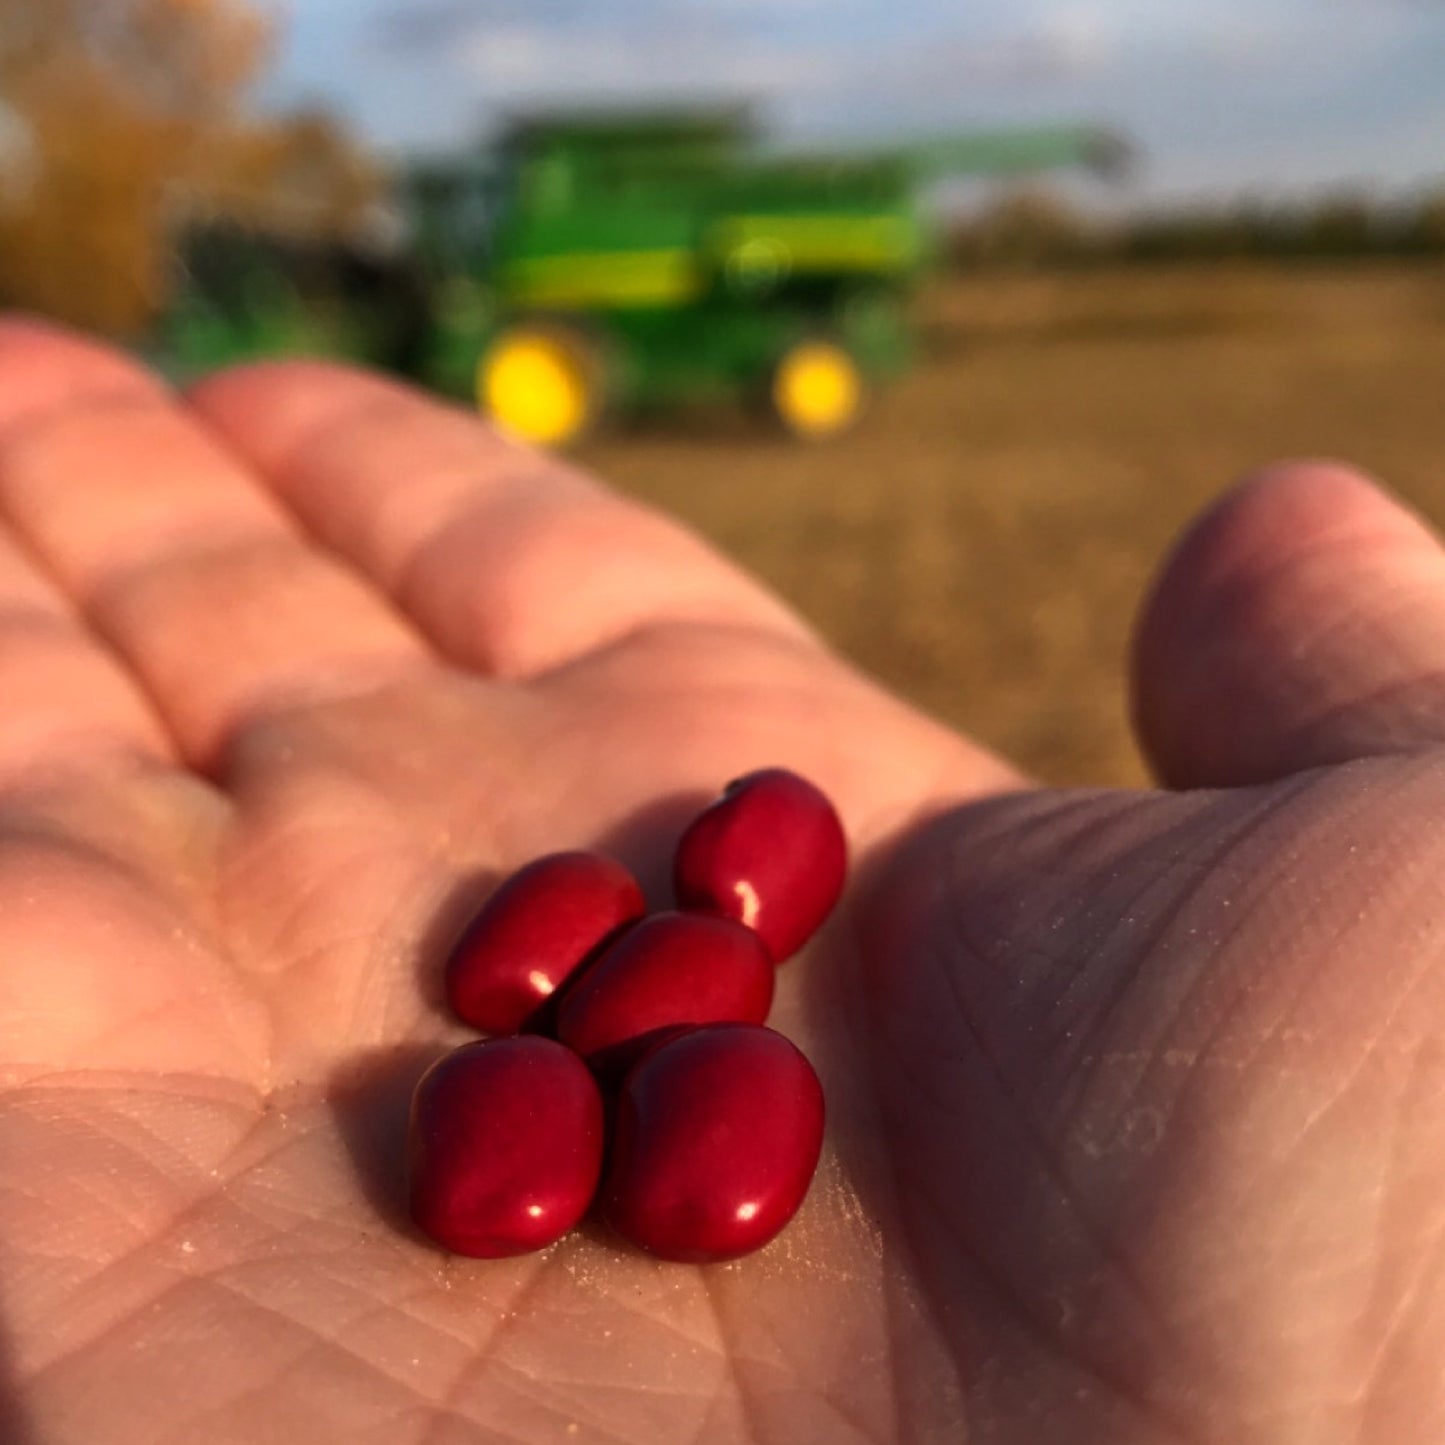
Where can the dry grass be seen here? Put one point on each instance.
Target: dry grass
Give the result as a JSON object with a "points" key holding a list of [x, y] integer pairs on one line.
{"points": [[982, 541]]}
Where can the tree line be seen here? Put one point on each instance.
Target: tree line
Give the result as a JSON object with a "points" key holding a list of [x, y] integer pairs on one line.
{"points": [[1036, 226]]}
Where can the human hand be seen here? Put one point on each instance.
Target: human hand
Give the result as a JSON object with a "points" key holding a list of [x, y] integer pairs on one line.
{"points": [[1131, 1136]]}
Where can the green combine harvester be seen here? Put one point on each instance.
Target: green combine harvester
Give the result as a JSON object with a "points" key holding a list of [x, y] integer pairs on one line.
{"points": [[599, 264]]}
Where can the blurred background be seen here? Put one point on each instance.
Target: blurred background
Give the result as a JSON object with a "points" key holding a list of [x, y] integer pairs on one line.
{"points": [[942, 318]]}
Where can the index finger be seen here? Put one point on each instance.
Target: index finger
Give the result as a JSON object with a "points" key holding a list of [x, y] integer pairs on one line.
{"points": [[509, 561]]}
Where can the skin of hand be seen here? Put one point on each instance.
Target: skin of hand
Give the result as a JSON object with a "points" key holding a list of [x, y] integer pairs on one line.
{"points": [[1136, 1129]]}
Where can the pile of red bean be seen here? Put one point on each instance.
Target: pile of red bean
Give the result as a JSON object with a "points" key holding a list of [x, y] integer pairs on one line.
{"points": [[630, 1071]]}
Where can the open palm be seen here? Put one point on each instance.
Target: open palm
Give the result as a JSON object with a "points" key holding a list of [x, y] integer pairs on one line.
{"points": [[1135, 1127]]}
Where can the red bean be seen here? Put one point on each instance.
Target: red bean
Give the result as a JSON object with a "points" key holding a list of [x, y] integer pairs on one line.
{"points": [[506, 1146], [769, 853], [672, 968], [716, 1138], [532, 933]]}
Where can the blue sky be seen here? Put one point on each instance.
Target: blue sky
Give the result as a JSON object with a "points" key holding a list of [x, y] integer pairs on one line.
{"points": [[1224, 96]]}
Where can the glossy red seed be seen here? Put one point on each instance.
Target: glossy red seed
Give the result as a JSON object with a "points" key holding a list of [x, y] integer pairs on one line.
{"points": [[532, 933], [769, 853], [672, 968], [505, 1149], [716, 1138]]}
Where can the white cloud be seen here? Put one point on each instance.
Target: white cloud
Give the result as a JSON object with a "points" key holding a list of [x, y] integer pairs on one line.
{"points": [[506, 60], [1081, 36]]}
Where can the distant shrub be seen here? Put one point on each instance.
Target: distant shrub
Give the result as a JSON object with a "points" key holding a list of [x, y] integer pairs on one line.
{"points": [[124, 120]]}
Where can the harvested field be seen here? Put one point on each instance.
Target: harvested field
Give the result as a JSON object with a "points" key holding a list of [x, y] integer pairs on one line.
{"points": [[981, 542]]}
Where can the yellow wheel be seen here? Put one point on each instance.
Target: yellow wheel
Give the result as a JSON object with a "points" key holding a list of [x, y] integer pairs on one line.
{"points": [[541, 384], [817, 390]]}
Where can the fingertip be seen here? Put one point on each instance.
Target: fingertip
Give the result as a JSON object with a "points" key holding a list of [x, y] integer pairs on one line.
{"points": [[305, 376], [44, 364], [1220, 682], [19, 327], [1283, 507], [275, 404], [16, 324], [272, 409]]}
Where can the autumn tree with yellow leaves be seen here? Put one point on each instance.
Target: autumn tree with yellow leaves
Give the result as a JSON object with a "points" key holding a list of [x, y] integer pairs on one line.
{"points": [[121, 121]]}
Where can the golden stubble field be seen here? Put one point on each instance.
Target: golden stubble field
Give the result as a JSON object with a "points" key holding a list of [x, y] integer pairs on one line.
{"points": [[982, 541]]}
